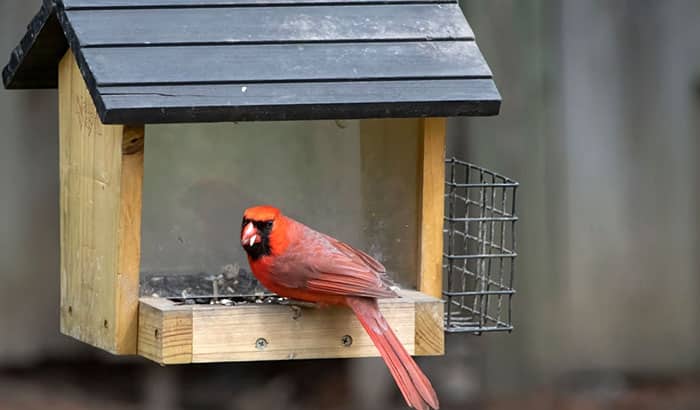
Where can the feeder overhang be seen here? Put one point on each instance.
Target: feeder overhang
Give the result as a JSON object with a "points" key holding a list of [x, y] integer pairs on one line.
{"points": [[169, 61]]}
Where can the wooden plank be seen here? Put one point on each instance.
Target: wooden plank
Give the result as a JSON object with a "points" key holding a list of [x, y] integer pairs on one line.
{"points": [[129, 237], [298, 101], [317, 333], [279, 94], [432, 206], [267, 332], [152, 27], [117, 4], [100, 200], [165, 331], [430, 333], [285, 63]]}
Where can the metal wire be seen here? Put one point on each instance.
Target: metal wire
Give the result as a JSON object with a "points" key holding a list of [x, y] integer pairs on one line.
{"points": [[479, 257]]}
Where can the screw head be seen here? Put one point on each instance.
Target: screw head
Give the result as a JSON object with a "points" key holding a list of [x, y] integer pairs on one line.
{"points": [[346, 340], [261, 343]]}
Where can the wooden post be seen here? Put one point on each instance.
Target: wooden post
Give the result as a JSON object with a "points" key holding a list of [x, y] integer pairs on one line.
{"points": [[430, 338], [101, 175], [432, 209]]}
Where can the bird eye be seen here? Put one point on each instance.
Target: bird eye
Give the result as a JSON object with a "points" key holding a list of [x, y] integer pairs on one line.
{"points": [[268, 224]]}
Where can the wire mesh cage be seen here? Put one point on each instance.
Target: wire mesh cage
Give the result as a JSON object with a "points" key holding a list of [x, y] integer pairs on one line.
{"points": [[479, 257]]}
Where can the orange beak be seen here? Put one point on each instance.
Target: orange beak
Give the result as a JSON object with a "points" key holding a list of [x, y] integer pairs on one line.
{"points": [[249, 235]]}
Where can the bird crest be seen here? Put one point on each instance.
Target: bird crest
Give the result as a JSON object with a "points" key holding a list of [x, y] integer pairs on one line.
{"points": [[261, 213]]}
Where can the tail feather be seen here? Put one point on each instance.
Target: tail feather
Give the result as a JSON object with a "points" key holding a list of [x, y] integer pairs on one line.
{"points": [[414, 385]]}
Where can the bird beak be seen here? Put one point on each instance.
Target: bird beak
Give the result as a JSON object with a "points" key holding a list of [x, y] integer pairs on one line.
{"points": [[249, 236]]}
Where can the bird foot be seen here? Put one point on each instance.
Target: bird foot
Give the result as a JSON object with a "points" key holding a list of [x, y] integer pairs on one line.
{"points": [[297, 307]]}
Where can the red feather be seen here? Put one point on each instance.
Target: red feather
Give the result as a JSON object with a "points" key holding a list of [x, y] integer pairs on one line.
{"points": [[307, 265]]}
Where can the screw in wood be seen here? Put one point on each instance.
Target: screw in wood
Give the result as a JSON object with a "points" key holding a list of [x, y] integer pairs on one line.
{"points": [[261, 343], [346, 340]]}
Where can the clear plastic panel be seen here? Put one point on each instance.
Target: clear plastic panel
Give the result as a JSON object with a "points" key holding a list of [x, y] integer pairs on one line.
{"points": [[355, 180]]}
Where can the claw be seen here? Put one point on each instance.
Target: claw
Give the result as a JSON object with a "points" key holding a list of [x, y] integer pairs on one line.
{"points": [[296, 311]]}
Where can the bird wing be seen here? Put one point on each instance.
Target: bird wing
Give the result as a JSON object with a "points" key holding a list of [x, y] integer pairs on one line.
{"points": [[321, 264]]}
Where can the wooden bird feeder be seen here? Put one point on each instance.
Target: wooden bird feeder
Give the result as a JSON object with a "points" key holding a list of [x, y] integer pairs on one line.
{"points": [[332, 110]]}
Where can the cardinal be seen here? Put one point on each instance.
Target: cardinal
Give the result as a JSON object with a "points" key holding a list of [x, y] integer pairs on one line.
{"points": [[299, 263]]}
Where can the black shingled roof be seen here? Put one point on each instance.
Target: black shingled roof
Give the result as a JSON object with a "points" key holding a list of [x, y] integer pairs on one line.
{"points": [[154, 61]]}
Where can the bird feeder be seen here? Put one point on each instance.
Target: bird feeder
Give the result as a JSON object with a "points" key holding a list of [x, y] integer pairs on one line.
{"points": [[333, 111]]}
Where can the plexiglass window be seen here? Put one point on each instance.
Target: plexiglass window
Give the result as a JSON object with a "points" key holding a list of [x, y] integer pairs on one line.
{"points": [[354, 180]]}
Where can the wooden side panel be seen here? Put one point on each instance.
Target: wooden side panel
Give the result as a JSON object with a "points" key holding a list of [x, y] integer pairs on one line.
{"points": [[432, 209], [100, 200], [182, 333]]}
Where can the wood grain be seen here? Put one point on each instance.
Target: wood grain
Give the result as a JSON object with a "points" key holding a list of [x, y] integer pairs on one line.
{"points": [[285, 62], [432, 205], [165, 331], [112, 4], [298, 101], [430, 334], [294, 24], [100, 217], [316, 333], [222, 334]]}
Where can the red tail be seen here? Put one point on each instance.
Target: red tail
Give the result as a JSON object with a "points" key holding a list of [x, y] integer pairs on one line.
{"points": [[414, 386]]}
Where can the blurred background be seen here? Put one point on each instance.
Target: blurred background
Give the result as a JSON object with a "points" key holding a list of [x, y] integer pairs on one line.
{"points": [[600, 123]]}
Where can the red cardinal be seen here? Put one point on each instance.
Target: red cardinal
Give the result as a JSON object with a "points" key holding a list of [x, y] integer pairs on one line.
{"points": [[294, 261]]}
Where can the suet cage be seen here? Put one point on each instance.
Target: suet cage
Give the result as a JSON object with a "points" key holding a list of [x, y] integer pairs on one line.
{"points": [[480, 248]]}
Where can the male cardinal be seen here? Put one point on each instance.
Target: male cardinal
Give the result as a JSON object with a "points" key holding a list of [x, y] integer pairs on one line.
{"points": [[297, 262]]}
